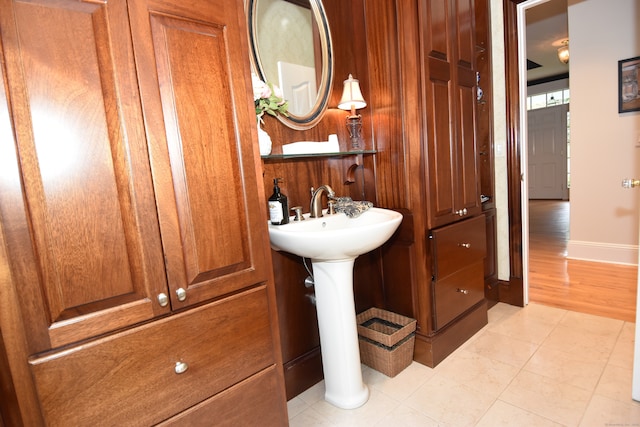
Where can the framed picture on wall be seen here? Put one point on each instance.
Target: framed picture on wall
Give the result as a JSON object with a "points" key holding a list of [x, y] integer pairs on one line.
{"points": [[629, 85]]}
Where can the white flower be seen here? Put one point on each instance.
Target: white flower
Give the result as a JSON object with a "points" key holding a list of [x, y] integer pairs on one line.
{"points": [[267, 99]]}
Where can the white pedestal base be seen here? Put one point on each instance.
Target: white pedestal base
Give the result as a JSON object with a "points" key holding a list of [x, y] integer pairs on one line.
{"points": [[339, 334]]}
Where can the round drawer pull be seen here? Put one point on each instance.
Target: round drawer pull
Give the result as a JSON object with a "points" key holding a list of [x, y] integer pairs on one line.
{"points": [[163, 299], [181, 294], [462, 212], [465, 245], [181, 368], [463, 291]]}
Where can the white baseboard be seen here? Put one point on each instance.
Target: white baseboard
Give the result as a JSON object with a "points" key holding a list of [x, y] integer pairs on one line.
{"points": [[603, 252]]}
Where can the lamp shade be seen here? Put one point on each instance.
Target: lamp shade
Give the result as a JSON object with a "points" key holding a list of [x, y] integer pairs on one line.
{"points": [[352, 98]]}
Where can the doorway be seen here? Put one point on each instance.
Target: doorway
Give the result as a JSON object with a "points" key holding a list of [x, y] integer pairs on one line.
{"points": [[521, 10]]}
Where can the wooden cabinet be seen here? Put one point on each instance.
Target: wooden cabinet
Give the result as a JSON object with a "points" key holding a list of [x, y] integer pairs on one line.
{"points": [[147, 374], [429, 272], [131, 221], [458, 273], [448, 49]]}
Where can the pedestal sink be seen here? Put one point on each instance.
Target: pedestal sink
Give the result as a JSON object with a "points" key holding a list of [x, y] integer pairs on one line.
{"points": [[333, 242]]}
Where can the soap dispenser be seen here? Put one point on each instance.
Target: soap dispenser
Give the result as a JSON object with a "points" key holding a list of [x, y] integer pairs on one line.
{"points": [[278, 205]]}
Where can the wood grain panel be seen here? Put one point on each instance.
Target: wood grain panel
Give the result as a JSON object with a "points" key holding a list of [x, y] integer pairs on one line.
{"points": [[203, 153], [222, 409], [437, 17], [385, 87], [458, 245], [465, 35], [457, 293], [84, 162], [513, 293], [468, 159], [202, 133], [130, 378]]}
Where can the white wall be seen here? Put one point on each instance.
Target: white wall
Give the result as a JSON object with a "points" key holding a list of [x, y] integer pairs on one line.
{"points": [[500, 138], [605, 145]]}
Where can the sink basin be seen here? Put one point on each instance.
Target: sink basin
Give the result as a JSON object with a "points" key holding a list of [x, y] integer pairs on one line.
{"points": [[333, 242], [335, 237]]}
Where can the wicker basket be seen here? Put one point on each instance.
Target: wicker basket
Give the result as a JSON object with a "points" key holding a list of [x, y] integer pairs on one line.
{"points": [[386, 340]]}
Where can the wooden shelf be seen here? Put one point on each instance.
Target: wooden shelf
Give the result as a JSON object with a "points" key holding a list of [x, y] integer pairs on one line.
{"points": [[310, 156]]}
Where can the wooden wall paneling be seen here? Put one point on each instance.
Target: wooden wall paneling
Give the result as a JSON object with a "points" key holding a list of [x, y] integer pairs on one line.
{"points": [[394, 64], [346, 25], [490, 262], [484, 122], [484, 136], [513, 291], [386, 100]]}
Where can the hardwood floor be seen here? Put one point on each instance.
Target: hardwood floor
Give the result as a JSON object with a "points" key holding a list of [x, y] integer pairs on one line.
{"points": [[596, 288]]}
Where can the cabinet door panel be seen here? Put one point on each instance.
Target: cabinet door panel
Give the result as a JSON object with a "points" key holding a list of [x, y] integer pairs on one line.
{"points": [[85, 169], [464, 30], [458, 245], [458, 292], [468, 164], [441, 141], [201, 129], [449, 45], [249, 403]]}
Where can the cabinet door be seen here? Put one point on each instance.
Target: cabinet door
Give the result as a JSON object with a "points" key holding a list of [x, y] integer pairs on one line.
{"points": [[76, 197], [448, 49], [201, 129]]}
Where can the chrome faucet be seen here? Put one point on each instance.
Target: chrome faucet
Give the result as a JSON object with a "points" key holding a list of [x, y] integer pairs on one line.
{"points": [[316, 200]]}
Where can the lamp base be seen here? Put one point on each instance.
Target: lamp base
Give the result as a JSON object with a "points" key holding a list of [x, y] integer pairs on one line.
{"points": [[354, 125]]}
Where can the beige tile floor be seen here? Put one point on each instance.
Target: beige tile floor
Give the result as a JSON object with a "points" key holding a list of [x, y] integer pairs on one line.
{"points": [[532, 366]]}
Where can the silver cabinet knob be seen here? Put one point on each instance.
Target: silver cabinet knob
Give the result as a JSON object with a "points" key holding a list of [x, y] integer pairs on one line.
{"points": [[182, 294], [181, 368], [163, 299], [463, 291], [462, 212], [465, 245]]}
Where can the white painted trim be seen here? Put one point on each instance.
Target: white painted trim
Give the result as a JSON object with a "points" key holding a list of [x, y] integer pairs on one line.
{"points": [[602, 252], [524, 187]]}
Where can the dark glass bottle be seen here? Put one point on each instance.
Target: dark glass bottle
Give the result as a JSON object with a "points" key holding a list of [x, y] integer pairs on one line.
{"points": [[278, 206]]}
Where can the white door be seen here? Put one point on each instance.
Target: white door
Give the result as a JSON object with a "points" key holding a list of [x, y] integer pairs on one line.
{"points": [[547, 139], [298, 83], [635, 387]]}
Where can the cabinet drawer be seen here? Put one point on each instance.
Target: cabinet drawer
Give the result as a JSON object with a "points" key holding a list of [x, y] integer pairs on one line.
{"points": [[458, 292], [256, 401], [130, 378], [458, 245]]}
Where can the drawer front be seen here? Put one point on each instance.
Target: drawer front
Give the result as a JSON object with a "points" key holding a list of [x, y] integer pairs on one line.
{"points": [[131, 378], [257, 401], [458, 292], [458, 245]]}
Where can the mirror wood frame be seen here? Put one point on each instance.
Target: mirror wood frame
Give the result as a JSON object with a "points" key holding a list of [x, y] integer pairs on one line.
{"points": [[319, 16]]}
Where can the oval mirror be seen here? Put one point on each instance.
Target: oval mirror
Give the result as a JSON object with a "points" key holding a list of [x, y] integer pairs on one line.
{"points": [[291, 48]]}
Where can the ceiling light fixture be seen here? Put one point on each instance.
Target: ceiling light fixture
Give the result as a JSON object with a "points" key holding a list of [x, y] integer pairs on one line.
{"points": [[563, 52]]}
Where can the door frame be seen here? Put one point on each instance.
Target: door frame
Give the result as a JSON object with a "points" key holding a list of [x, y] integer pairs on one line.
{"points": [[513, 291]]}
